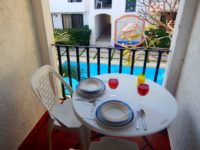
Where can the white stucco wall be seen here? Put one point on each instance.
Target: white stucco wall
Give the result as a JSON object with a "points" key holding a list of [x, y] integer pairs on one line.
{"points": [[183, 26], [63, 6], [20, 55], [85, 18], [57, 20], [184, 132]]}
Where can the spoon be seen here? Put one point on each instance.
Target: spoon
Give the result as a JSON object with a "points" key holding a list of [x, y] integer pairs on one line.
{"points": [[142, 115]]}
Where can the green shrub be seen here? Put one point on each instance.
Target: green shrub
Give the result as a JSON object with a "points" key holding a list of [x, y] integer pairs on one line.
{"points": [[158, 37], [78, 36], [61, 37]]}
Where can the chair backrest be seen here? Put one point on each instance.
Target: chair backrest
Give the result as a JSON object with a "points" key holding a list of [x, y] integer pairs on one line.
{"points": [[99, 2], [42, 87]]}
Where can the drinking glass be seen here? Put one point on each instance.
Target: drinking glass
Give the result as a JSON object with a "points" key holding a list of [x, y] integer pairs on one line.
{"points": [[141, 79], [143, 90], [113, 84]]}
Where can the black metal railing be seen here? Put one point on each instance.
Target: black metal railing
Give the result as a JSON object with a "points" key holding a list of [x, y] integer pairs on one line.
{"points": [[67, 52]]}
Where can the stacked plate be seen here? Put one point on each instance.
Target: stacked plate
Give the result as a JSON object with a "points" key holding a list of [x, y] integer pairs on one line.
{"points": [[114, 113], [91, 87]]}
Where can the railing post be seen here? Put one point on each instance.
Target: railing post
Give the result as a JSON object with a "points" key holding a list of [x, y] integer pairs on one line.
{"points": [[98, 61], [69, 67], [78, 63], [120, 60], [158, 65], [145, 61], [109, 60], [132, 61], [60, 69], [88, 62]]}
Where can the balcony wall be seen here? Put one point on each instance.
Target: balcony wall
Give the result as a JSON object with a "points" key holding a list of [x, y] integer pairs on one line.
{"points": [[183, 77], [24, 48], [63, 6]]}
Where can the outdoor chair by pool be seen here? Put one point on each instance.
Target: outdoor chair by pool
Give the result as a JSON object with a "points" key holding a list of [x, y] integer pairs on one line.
{"points": [[99, 3], [42, 87]]}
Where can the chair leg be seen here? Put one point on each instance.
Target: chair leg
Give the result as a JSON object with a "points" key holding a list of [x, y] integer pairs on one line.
{"points": [[85, 137], [50, 128]]}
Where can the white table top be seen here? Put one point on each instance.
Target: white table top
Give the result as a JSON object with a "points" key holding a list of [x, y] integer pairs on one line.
{"points": [[159, 105]]}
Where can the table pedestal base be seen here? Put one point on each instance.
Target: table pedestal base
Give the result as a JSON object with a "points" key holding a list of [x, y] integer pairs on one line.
{"points": [[147, 144], [85, 137]]}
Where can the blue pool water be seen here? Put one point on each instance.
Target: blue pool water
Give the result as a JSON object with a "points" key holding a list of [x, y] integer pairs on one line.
{"points": [[150, 72]]}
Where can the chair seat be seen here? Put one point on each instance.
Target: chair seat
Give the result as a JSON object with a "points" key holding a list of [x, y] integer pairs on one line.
{"points": [[60, 110], [107, 143]]}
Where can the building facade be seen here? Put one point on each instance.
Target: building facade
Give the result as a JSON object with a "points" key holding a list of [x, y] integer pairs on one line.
{"points": [[99, 15]]}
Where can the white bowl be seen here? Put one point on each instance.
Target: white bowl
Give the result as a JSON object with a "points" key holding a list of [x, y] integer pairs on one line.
{"points": [[113, 124], [114, 113], [90, 85]]}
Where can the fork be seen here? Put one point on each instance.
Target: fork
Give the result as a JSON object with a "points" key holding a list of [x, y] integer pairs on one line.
{"points": [[93, 107]]}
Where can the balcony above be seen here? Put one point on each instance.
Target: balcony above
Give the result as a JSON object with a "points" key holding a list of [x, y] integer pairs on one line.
{"points": [[67, 6]]}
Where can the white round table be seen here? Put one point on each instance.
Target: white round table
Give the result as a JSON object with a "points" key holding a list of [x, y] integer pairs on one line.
{"points": [[159, 105]]}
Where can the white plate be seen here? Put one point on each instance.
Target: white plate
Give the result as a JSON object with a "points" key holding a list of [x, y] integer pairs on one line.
{"points": [[90, 85], [90, 94]]}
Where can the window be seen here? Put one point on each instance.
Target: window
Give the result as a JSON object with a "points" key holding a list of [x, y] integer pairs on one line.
{"points": [[74, 0], [130, 5], [72, 21], [77, 20]]}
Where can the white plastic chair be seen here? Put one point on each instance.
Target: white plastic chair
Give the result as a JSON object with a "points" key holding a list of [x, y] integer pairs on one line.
{"points": [[61, 115], [99, 2], [107, 143]]}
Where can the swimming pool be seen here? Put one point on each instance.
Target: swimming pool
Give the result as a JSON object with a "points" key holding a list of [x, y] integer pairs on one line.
{"points": [[150, 72]]}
